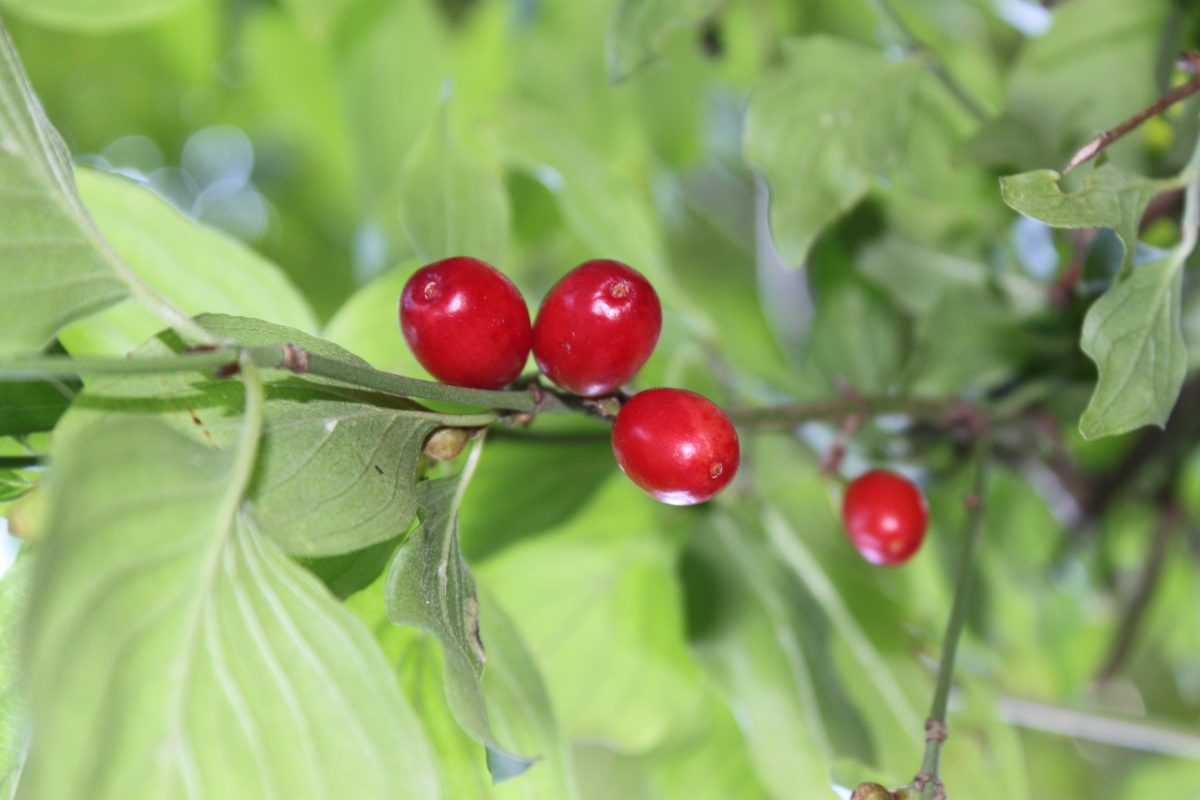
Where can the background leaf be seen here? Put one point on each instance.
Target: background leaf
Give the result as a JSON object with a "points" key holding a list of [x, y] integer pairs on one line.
{"points": [[86, 15], [217, 645], [822, 144], [451, 203], [640, 29]]}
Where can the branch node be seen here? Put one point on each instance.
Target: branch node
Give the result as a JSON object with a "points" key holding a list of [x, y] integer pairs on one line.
{"points": [[295, 359], [935, 731]]}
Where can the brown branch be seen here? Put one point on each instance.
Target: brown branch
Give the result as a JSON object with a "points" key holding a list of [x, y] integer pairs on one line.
{"points": [[1169, 522], [1097, 145]]}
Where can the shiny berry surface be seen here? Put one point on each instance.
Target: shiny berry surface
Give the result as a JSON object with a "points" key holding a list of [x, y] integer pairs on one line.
{"points": [[596, 328], [676, 445], [885, 517], [466, 323]]}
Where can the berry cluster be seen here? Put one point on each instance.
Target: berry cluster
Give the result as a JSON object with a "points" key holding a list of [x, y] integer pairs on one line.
{"points": [[468, 325]]}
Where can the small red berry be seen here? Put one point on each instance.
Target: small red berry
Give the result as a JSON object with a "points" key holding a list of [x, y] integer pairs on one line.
{"points": [[466, 323], [676, 445], [885, 517], [596, 327]]}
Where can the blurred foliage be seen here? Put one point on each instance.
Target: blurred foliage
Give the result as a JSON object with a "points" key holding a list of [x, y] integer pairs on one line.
{"points": [[813, 187]]}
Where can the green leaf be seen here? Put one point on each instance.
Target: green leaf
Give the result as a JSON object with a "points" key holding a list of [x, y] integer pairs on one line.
{"points": [[430, 587], [1110, 197], [823, 130], [451, 203], [90, 16], [15, 585], [641, 28], [56, 266], [33, 406], [857, 336], [1133, 334], [175, 651], [337, 471], [198, 268], [599, 605]]}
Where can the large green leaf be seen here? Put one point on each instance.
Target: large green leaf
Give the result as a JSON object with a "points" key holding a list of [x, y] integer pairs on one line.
{"points": [[338, 469], [198, 268], [451, 203], [641, 27], [15, 585], [599, 606], [174, 651], [56, 266], [92, 16], [429, 586], [823, 129], [1110, 197]]}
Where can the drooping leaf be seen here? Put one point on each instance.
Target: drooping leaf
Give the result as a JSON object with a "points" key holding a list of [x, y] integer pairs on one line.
{"points": [[198, 268], [15, 586], [91, 17], [1110, 197], [175, 651], [1133, 334], [337, 471], [604, 620], [518, 707], [641, 28], [823, 129], [429, 586], [451, 203], [56, 266]]}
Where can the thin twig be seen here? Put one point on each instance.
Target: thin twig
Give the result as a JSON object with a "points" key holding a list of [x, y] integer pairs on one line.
{"points": [[928, 781], [1097, 145]]}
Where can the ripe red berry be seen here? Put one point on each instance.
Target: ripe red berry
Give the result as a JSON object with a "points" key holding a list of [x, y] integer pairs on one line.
{"points": [[885, 517], [676, 445], [596, 327], [466, 323]]}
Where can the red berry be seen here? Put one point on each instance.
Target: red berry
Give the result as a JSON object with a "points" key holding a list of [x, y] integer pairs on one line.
{"points": [[466, 323], [596, 327], [676, 445], [885, 517]]}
